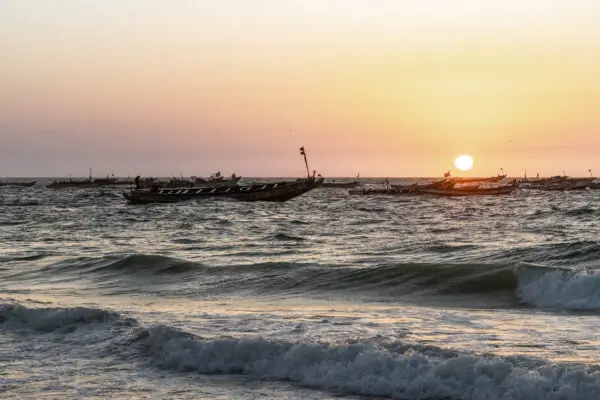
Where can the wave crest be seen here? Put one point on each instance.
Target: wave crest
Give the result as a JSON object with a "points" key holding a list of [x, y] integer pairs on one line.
{"points": [[570, 290], [366, 369], [369, 368], [50, 319]]}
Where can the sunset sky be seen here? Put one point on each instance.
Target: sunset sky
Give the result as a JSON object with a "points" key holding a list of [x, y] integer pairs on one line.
{"points": [[384, 88]]}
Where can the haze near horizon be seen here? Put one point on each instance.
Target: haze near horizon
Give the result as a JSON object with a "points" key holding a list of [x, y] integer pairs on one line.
{"points": [[388, 88]]}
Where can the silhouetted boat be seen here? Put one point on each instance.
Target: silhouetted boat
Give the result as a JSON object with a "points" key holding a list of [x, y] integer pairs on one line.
{"points": [[340, 185], [439, 183], [479, 180], [470, 191], [279, 191], [397, 190], [18, 184], [87, 183]]}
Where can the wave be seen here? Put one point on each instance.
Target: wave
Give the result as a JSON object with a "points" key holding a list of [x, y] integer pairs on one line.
{"points": [[398, 371], [284, 237], [493, 284], [136, 264], [367, 367], [16, 316]]}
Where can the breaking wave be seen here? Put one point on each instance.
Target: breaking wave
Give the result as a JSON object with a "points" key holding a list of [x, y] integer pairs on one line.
{"points": [[494, 284], [366, 368]]}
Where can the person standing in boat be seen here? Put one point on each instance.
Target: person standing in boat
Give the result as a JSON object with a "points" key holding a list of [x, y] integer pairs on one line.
{"points": [[137, 182]]}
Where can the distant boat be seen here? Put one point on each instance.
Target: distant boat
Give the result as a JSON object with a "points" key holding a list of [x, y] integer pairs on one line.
{"points": [[400, 190], [214, 181], [472, 191], [442, 182], [340, 185], [88, 183], [447, 190], [479, 180], [18, 184]]}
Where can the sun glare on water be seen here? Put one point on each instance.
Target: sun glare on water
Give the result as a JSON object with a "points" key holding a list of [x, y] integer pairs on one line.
{"points": [[464, 162]]}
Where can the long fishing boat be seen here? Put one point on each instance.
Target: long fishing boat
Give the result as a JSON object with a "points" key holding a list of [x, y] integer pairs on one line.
{"points": [[340, 185], [491, 179], [88, 183], [217, 181], [470, 191], [18, 184], [397, 190], [276, 191], [440, 183]]}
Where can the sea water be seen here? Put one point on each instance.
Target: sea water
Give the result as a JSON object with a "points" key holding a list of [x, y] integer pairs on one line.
{"points": [[325, 296]]}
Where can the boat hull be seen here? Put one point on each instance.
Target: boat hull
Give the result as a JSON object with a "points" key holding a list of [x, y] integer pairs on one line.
{"points": [[18, 184], [461, 192], [340, 185], [275, 192], [492, 179], [87, 184]]}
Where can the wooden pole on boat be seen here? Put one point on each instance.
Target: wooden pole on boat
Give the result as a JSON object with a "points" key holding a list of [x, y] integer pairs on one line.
{"points": [[302, 152]]}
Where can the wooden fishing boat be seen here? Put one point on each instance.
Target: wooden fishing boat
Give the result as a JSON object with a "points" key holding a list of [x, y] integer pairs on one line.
{"points": [[562, 186], [195, 182], [440, 183], [537, 182], [397, 190], [377, 191], [492, 179], [473, 191], [87, 183], [278, 192], [340, 185], [18, 184]]}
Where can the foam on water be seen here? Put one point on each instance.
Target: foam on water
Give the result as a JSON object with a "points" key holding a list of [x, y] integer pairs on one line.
{"points": [[368, 369], [569, 290], [398, 370]]}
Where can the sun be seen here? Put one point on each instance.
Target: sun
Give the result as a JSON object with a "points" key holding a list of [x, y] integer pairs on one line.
{"points": [[464, 162]]}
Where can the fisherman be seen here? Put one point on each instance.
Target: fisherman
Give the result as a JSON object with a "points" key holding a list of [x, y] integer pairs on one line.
{"points": [[137, 182]]}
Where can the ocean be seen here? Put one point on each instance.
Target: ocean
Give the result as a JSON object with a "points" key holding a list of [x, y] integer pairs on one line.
{"points": [[327, 296]]}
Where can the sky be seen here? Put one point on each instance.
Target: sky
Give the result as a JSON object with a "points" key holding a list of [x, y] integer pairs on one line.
{"points": [[380, 88]]}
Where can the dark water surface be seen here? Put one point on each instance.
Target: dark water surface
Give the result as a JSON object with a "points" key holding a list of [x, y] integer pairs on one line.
{"points": [[325, 296]]}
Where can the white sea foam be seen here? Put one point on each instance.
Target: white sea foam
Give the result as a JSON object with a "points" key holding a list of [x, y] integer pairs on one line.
{"points": [[569, 290], [371, 370]]}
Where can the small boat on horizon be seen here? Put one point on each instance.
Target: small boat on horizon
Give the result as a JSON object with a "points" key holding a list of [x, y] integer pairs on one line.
{"points": [[492, 179], [214, 181], [18, 184], [340, 185], [471, 191], [90, 182]]}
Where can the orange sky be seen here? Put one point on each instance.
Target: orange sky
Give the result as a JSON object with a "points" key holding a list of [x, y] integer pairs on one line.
{"points": [[385, 88]]}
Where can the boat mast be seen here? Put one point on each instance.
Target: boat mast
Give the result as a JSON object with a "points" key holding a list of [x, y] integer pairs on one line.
{"points": [[302, 152]]}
